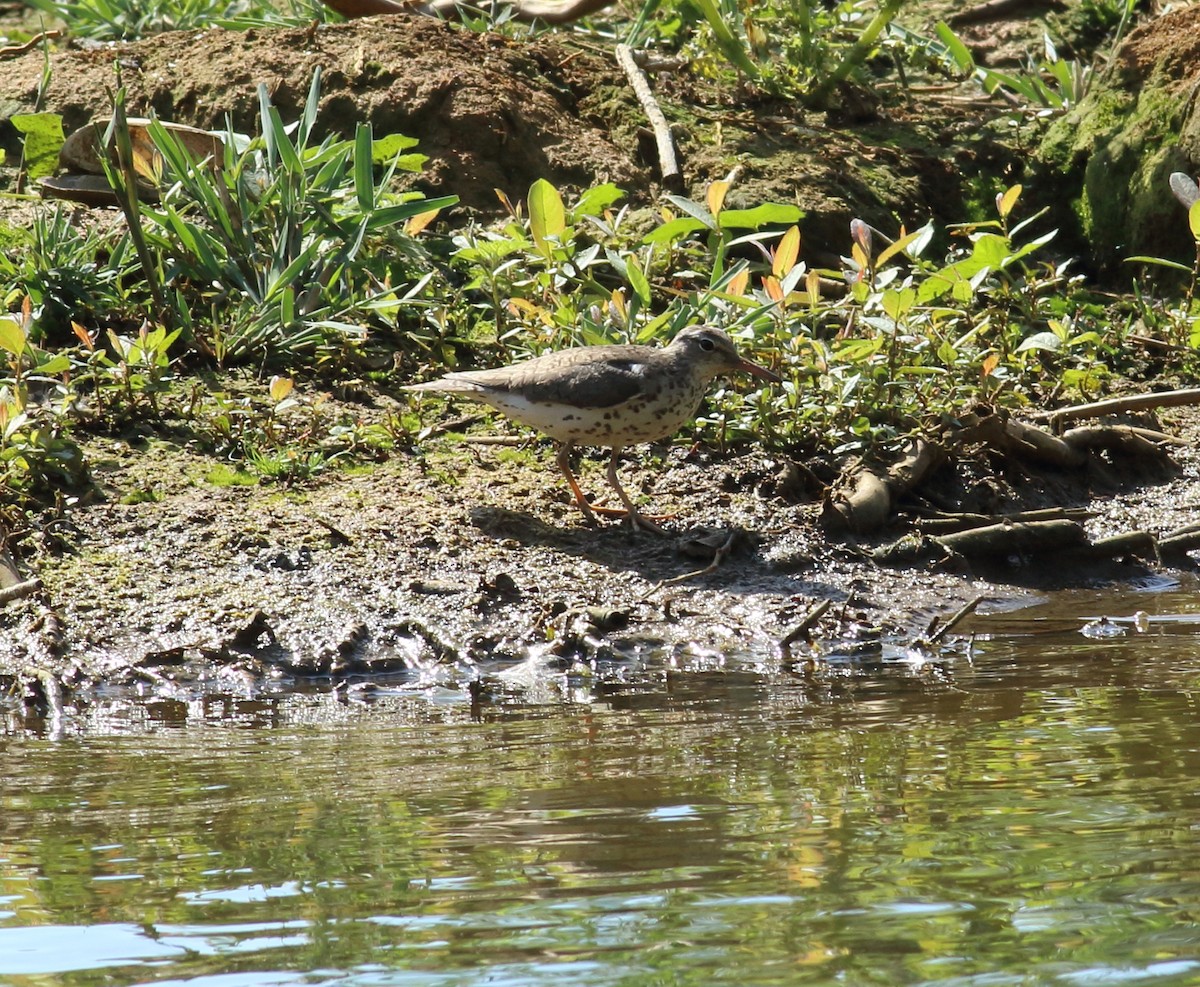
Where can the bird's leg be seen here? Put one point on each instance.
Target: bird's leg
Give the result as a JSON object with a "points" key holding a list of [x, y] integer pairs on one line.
{"points": [[636, 518], [563, 459]]}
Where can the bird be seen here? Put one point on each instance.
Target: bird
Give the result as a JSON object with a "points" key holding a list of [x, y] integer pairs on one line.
{"points": [[613, 395]]}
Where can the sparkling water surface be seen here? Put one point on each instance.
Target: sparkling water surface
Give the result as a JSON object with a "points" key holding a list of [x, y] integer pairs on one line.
{"points": [[1022, 810]]}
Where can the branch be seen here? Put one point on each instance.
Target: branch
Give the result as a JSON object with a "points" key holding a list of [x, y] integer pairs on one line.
{"points": [[1118, 406], [668, 164]]}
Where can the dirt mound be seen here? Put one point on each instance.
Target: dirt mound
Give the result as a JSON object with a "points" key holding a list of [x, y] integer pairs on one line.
{"points": [[491, 113]]}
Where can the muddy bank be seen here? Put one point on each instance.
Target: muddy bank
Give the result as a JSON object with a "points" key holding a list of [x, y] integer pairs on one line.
{"points": [[456, 560]]}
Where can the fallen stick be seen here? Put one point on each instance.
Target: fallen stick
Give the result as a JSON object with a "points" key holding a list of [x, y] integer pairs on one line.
{"points": [[668, 162], [862, 499], [960, 615], [1123, 405], [1179, 542], [18, 591], [1139, 543], [801, 629], [13, 50], [719, 556], [1027, 538], [944, 524]]}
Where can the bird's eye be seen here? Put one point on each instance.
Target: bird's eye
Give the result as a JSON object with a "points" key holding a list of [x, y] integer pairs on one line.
{"points": [[707, 345]]}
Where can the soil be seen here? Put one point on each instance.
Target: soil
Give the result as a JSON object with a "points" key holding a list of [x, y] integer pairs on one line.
{"points": [[457, 560], [450, 561]]}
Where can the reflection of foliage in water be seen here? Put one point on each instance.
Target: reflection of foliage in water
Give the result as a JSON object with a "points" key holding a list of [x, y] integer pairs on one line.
{"points": [[881, 835]]}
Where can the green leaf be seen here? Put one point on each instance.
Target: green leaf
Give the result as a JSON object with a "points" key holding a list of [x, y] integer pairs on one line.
{"points": [[43, 140], [364, 174], [395, 214], [769, 213], [1194, 220], [595, 200], [54, 365], [411, 163], [547, 215], [12, 336], [386, 148], [729, 44], [693, 209], [637, 280], [958, 51], [674, 230], [1160, 261], [1045, 341]]}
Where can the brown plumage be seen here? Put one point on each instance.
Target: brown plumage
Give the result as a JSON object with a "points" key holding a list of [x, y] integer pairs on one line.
{"points": [[605, 395]]}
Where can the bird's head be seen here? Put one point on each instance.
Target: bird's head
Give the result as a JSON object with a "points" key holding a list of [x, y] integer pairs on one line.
{"points": [[711, 351]]}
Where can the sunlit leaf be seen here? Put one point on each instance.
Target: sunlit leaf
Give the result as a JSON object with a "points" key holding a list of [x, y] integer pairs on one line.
{"points": [[714, 198], [595, 200], [812, 284], [12, 335], [1007, 199], [280, 388], [1160, 262], [43, 140], [547, 215], [505, 201], [384, 149], [1046, 341], [637, 279], [860, 233], [418, 223], [787, 252], [958, 51], [892, 249]]}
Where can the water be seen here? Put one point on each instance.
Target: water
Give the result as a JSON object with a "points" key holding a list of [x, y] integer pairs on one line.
{"points": [[1023, 812]]}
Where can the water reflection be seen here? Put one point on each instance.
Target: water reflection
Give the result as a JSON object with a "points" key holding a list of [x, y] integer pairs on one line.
{"points": [[1021, 811]]}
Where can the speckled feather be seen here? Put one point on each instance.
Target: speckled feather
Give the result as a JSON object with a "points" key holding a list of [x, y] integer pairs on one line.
{"points": [[605, 395]]}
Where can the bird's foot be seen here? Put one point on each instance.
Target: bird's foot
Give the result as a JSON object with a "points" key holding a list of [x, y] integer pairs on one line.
{"points": [[637, 520]]}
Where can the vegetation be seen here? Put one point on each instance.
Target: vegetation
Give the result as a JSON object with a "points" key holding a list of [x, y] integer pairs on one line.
{"points": [[297, 255]]}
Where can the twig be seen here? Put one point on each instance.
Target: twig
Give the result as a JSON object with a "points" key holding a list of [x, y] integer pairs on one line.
{"points": [[52, 691], [13, 50], [1118, 406], [963, 612], [18, 591], [668, 163], [719, 556], [801, 629]]}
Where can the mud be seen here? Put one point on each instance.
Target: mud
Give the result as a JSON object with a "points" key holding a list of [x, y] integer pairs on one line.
{"points": [[460, 559]]}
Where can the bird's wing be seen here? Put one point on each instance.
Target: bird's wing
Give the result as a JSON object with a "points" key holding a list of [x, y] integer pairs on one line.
{"points": [[587, 377]]}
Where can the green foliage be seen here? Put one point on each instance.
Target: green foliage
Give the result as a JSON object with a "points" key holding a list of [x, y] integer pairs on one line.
{"points": [[272, 242], [69, 273], [283, 435], [802, 50], [911, 337], [114, 20], [1052, 83], [36, 455]]}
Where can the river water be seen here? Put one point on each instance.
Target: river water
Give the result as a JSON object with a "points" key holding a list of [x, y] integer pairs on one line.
{"points": [[1022, 809]]}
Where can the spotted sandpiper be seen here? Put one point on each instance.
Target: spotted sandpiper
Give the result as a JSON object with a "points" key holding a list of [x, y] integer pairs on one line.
{"points": [[605, 396]]}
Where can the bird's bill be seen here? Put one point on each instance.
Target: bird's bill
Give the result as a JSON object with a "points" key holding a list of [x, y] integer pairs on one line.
{"points": [[762, 372]]}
